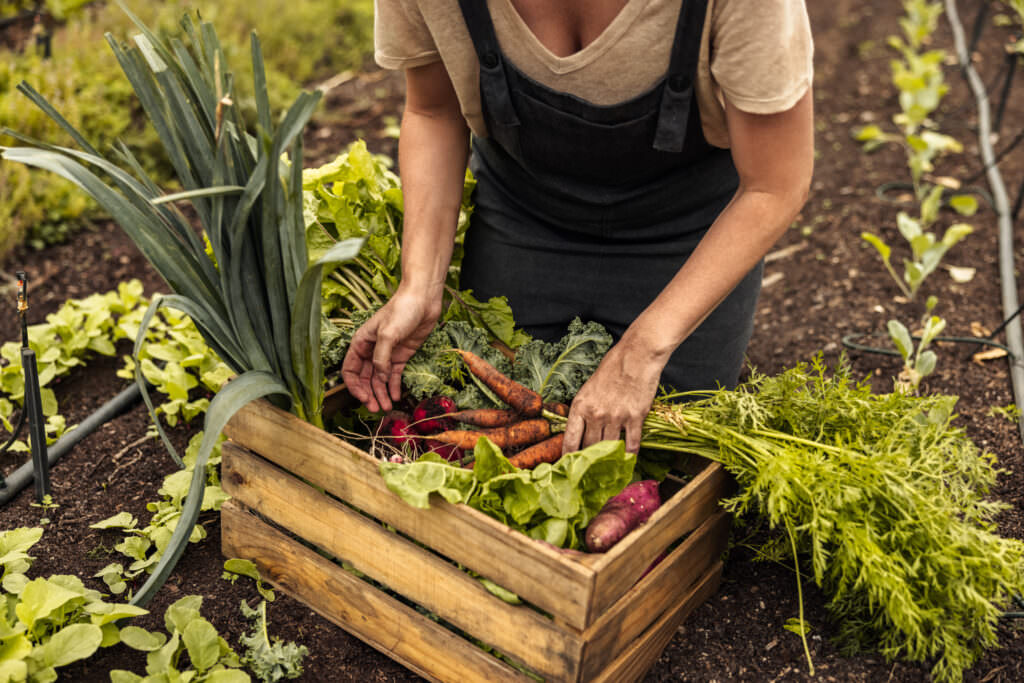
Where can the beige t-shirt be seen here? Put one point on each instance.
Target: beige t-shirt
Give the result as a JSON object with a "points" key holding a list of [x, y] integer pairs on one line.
{"points": [[756, 53]]}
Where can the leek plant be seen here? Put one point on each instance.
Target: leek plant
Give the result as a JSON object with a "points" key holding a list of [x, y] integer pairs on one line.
{"points": [[254, 296]]}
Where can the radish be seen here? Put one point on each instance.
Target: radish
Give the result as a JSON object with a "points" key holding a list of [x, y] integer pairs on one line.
{"points": [[623, 512], [431, 415], [449, 452], [397, 428]]}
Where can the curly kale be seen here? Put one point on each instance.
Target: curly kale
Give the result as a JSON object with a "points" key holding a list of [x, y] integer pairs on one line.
{"points": [[270, 661], [557, 371]]}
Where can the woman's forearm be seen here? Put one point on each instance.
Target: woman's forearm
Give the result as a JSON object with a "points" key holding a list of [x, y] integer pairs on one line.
{"points": [[737, 241], [432, 154]]}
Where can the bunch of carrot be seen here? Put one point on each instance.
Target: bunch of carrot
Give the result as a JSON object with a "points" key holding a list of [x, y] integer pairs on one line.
{"points": [[526, 424]]}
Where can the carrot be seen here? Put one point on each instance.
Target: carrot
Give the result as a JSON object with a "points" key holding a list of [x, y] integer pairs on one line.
{"points": [[486, 417], [522, 433], [549, 450], [559, 409], [521, 399]]}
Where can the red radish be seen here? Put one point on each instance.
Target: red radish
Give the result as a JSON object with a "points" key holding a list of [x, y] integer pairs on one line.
{"points": [[397, 428], [623, 512], [449, 452], [431, 415]]}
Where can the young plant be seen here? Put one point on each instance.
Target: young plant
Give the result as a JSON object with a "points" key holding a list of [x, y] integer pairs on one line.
{"points": [[918, 362], [257, 300], [50, 622], [271, 660], [145, 546], [210, 658], [926, 249]]}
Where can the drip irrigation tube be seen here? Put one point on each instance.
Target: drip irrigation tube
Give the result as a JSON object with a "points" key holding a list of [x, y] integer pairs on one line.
{"points": [[24, 475], [1008, 281]]}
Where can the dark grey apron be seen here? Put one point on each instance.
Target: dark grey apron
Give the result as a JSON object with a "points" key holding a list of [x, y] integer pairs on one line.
{"points": [[589, 211]]}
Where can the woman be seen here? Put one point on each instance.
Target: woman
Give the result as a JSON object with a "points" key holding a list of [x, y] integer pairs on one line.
{"points": [[635, 161]]}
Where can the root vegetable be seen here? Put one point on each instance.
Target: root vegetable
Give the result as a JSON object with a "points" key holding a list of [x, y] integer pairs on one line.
{"points": [[524, 433], [397, 428], [449, 452], [433, 414], [559, 409], [623, 512], [487, 417], [549, 450], [521, 399]]}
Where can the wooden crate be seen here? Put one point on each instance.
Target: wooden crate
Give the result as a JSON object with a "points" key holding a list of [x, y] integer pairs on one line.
{"points": [[590, 618]]}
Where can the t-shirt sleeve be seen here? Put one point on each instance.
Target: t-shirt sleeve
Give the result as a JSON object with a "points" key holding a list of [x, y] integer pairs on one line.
{"points": [[400, 35], [762, 53]]}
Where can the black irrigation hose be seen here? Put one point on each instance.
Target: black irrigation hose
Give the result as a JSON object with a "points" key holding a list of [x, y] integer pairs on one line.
{"points": [[15, 431], [1007, 277], [850, 344], [24, 475]]}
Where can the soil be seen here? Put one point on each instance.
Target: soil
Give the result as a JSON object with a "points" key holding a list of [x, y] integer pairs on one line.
{"points": [[822, 284]]}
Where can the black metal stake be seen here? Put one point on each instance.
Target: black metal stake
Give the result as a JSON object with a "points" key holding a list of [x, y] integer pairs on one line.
{"points": [[33, 401], [36, 424]]}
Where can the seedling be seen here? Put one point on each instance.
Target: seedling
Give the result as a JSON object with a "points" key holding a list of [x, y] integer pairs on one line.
{"points": [[918, 362]]}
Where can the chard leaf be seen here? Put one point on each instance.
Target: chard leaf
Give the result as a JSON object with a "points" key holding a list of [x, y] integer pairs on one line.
{"points": [[557, 371], [414, 482]]}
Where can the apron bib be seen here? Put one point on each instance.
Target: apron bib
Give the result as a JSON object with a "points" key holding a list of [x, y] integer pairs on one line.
{"points": [[589, 211]]}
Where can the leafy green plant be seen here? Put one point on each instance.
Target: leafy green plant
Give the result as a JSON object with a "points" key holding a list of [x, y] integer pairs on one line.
{"points": [[77, 331], [271, 660], [919, 77], [144, 546], [210, 658], [918, 362], [257, 301], [176, 360], [927, 250], [877, 495], [47, 623], [357, 196]]}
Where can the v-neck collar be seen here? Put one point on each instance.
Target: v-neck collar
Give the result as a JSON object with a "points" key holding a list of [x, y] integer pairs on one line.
{"points": [[577, 60]]}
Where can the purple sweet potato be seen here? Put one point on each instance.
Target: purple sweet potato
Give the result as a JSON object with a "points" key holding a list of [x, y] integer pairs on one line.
{"points": [[622, 513]]}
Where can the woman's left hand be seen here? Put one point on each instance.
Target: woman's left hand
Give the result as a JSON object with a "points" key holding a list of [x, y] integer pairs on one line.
{"points": [[616, 398]]}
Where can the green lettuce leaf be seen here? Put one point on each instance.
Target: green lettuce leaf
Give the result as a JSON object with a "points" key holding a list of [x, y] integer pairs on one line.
{"points": [[553, 503]]}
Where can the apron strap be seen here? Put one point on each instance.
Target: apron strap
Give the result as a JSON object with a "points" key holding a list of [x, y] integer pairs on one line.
{"points": [[682, 73], [494, 88]]}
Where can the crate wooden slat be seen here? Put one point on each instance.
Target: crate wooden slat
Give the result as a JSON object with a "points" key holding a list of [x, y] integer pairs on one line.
{"points": [[386, 624], [589, 618]]}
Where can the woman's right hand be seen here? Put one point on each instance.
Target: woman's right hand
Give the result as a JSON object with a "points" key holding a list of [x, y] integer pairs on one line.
{"points": [[373, 365]]}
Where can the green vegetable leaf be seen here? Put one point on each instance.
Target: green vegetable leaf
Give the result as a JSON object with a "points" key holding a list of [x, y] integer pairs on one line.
{"points": [[557, 371], [72, 643], [414, 482], [203, 644]]}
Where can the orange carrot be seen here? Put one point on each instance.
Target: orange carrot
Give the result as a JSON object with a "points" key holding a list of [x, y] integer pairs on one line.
{"points": [[522, 433], [549, 450], [521, 399], [486, 417], [557, 408]]}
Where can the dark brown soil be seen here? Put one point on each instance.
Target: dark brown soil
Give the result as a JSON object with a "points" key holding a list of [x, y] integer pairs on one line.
{"points": [[822, 284]]}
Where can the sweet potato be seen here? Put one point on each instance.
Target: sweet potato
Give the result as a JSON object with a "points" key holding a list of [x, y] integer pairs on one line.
{"points": [[622, 513]]}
